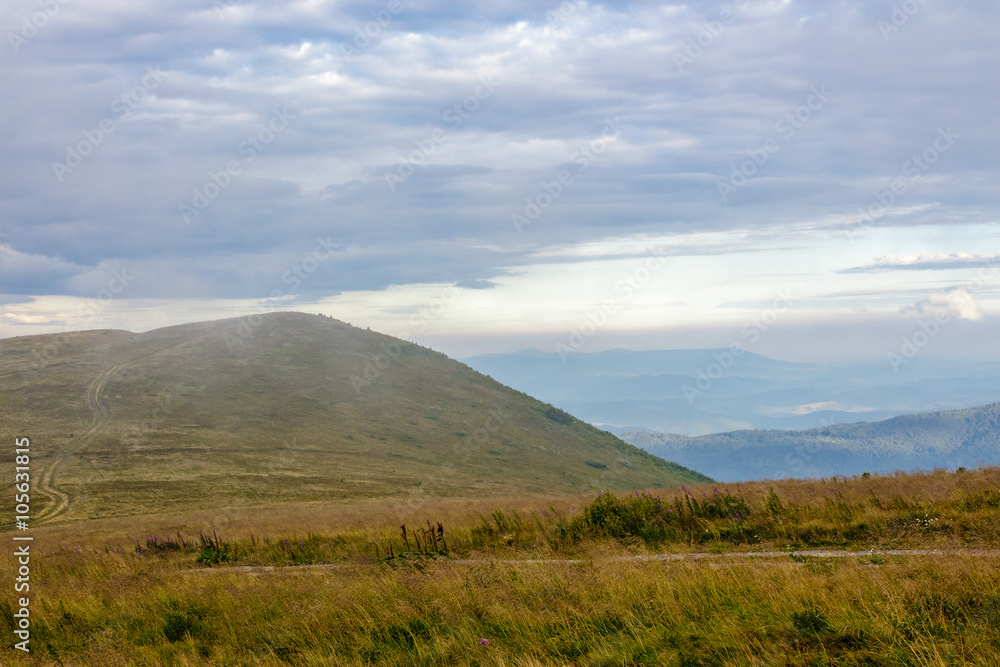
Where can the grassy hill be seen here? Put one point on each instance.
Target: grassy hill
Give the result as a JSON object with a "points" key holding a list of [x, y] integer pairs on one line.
{"points": [[284, 407], [947, 439]]}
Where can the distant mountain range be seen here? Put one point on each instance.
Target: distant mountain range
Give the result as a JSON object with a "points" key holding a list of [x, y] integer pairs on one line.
{"points": [[697, 392], [948, 439]]}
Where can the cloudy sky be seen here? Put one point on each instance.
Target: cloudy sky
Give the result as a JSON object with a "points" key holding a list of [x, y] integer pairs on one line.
{"points": [[810, 179]]}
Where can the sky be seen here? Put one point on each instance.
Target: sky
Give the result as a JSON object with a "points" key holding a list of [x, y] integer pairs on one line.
{"points": [[811, 180]]}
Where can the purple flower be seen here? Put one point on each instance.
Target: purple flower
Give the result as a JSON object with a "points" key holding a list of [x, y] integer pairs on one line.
{"points": [[483, 641]]}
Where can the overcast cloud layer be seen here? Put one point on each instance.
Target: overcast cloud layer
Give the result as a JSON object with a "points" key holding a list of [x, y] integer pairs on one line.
{"points": [[502, 167]]}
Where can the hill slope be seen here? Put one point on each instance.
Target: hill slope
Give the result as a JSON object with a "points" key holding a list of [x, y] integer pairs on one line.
{"points": [[946, 439], [285, 407]]}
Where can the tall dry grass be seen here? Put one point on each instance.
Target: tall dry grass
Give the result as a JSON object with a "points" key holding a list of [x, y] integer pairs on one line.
{"points": [[928, 611], [98, 601]]}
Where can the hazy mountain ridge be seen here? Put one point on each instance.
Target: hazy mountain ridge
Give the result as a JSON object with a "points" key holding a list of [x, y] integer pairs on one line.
{"points": [[945, 439], [696, 392]]}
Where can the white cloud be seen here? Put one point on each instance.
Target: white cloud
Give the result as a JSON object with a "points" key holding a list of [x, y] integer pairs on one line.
{"points": [[21, 318], [959, 302], [927, 262]]}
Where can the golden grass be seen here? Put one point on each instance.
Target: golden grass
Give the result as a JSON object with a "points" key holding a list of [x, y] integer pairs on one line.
{"points": [[879, 511], [102, 606], [923, 485], [131, 611]]}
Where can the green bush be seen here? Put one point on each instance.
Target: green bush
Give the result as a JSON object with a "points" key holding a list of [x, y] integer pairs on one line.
{"points": [[654, 520], [810, 621], [215, 551]]}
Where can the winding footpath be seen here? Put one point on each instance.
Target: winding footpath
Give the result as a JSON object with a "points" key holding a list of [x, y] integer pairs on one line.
{"points": [[97, 402], [46, 482]]}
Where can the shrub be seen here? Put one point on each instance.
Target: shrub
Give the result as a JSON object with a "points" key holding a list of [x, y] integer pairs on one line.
{"points": [[176, 626], [653, 519], [215, 551], [810, 621]]}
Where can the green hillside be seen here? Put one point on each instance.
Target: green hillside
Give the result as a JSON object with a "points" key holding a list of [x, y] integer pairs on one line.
{"points": [[284, 407], [946, 439]]}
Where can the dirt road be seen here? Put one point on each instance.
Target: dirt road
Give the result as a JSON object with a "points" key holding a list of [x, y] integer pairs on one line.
{"points": [[47, 481]]}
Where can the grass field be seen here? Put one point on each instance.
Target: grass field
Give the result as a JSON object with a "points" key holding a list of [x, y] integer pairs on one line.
{"points": [[128, 591]]}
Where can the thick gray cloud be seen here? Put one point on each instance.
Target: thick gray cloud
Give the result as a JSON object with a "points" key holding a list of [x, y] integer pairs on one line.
{"points": [[409, 136]]}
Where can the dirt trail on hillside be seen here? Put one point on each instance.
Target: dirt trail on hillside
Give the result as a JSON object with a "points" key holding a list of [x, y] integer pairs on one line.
{"points": [[256, 570], [97, 402]]}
